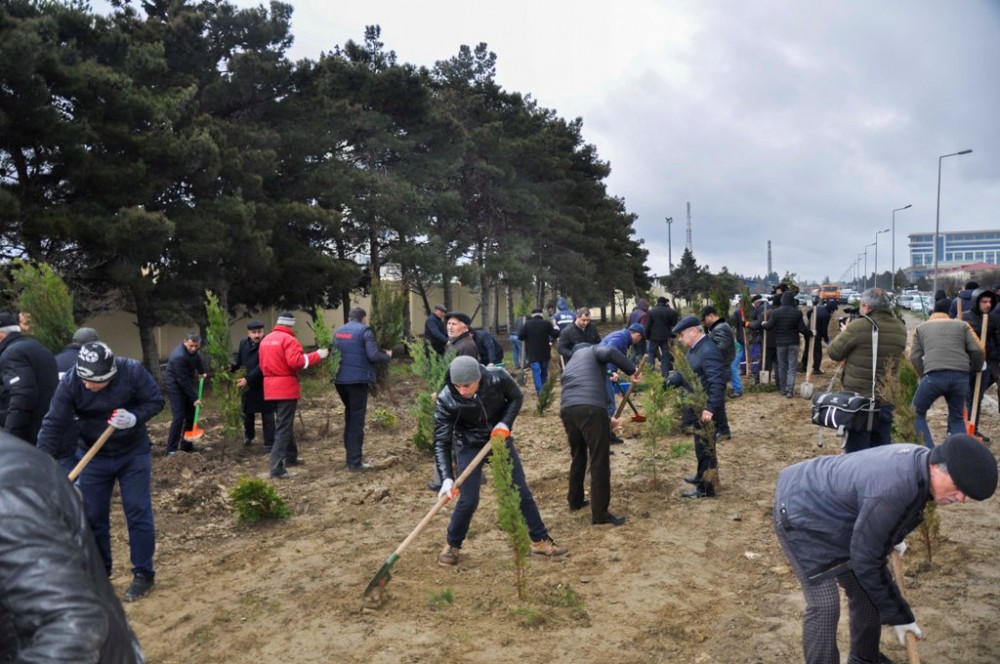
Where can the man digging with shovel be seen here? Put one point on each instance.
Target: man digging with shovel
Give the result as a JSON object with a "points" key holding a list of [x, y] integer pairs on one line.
{"points": [[838, 519], [475, 404]]}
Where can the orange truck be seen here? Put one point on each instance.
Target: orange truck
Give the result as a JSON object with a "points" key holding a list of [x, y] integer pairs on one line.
{"points": [[829, 292]]}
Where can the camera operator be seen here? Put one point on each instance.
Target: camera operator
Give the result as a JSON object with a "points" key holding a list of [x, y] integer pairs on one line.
{"points": [[854, 346]]}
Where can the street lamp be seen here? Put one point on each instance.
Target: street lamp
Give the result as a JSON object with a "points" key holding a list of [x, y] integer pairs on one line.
{"points": [[670, 260], [893, 282], [877, 233], [937, 216], [858, 273], [873, 244]]}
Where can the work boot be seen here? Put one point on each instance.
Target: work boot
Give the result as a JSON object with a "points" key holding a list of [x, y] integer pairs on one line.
{"points": [[448, 557], [548, 548], [692, 479], [615, 440], [141, 585], [608, 518], [577, 508], [247, 442]]}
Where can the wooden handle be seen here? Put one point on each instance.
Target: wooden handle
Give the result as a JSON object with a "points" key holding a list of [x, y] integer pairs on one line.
{"points": [[911, 638], [979, 374], [631, 386], [91, 453]]}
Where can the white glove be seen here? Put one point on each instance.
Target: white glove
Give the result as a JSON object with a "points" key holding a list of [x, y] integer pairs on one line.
{"points": [[323, 353], [446, 486], [901, 631], [900, 548], [122, 419]]}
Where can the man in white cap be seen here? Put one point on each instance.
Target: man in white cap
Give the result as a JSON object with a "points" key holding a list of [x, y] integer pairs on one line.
{"points": [[281, 360], [839, 517]]}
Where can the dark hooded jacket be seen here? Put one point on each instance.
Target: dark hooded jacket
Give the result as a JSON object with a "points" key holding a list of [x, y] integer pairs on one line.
{"points": [[965, 295], [29, 374], [58, 605], [975, 319], [462, 423], [660, 324], [786, 323]]}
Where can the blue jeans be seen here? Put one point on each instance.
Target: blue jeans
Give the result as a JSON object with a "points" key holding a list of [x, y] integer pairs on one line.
{"points": [[540, 373], [609, 389], [954, 387], [881, 433], [515, 343], [734, 370], [468, 497], [133, 473]]}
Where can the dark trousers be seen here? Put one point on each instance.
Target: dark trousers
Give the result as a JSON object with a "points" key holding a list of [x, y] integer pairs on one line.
{"points": [[666, 359], [132, 472], [953, 386], [589, 432], [182, 419], [355, 398], [704, 453], [881, 433], [266, 411], [817, 355], [284, 435], [468, 497], [988, 379], [819, 622]]}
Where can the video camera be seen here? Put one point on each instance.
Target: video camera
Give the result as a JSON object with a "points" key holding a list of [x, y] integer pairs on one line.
{"points": [[852, 313]]}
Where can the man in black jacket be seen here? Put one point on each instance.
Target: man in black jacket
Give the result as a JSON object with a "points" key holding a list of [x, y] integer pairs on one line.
{"points": [[584, 415], [435, 332], [822, 311], [184, 367], [660, 324], [58, 605], [582, 331], [29, 376], [838, 518], [538, 335], [722, 336], [475, 404], [706, 362], [983, 302], [252, 384], [785, 324]]}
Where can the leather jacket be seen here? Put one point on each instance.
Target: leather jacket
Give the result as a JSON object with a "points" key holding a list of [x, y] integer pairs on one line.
{"points": [[462, 422]]}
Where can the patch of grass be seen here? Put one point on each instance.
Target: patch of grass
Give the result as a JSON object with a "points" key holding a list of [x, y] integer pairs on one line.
{"points": [[567, 598], [762, 387], [683, 448], [529, 617], [384, 418], [439, 600], [256, 500], [203, 635]]}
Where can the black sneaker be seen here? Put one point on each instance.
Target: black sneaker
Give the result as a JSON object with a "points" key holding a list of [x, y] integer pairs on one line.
{"points": [[141, 585], [615, 440], [247, 442]]}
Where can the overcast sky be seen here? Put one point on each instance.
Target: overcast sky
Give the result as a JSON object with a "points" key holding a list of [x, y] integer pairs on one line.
{"points": [[802, 123]]}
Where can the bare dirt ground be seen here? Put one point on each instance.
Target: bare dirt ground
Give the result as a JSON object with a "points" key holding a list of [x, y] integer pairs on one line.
{"points": [[682, 581]]}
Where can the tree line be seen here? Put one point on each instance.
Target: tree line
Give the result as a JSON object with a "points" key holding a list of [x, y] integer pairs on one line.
{"points": [[158, 151]]}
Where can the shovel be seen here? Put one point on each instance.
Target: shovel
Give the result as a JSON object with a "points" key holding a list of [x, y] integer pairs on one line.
{"points": [[806, 388], [377, 584], [765, 374], [636, 417], [196, 432], [970, 423], [91, 453], [628, 393], [911, 639]]}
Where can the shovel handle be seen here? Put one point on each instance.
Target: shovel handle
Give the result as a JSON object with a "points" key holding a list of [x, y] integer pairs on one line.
{"points": [[91, 453], [911, 639], [628, 393]]}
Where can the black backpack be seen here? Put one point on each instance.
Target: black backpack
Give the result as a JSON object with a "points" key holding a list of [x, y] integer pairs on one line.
{"points": [[490, 352]]}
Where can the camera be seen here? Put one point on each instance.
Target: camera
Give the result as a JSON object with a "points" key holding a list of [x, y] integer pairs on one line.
{"points": [[852, 313]]}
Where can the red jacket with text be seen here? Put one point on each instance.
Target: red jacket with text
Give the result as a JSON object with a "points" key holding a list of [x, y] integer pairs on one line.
{"points": [[281, 360]]}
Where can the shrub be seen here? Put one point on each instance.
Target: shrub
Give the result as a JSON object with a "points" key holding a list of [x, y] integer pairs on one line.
{"points": [[44, 296], [256, 500], [509, 516], [385, 418]]}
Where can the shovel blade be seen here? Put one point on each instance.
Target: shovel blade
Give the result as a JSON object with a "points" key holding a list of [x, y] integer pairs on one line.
{"points": [[382, 576], [638, 418], [194, 434], [806, 390]]}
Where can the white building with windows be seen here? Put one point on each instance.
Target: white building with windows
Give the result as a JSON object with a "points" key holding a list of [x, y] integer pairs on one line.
{"points": [[954, 248]]}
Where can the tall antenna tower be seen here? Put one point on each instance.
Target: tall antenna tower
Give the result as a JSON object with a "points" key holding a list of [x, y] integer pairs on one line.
{"points": [[769, 257], [689, 246]]}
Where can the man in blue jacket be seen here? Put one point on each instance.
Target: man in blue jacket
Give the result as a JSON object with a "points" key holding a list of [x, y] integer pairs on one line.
{"points": [[358, 354], [705, 359], [620, 340], [105, 390], [838, 518]]}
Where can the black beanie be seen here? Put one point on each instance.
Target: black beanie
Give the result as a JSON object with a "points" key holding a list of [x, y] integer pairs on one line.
{"points": [[972, 466]]}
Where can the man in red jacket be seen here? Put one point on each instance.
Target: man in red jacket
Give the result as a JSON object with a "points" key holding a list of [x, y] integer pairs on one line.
{"points": [[281, 360]]}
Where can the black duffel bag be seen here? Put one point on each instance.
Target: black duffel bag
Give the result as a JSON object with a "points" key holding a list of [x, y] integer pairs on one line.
{"points": [[844, 411]]}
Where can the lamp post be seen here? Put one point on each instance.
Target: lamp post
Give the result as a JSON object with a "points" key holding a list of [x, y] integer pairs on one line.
{"points": [[937, 216], [670, 260], [873, 244], [857, 278], [893, 282], [877, 233]]}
